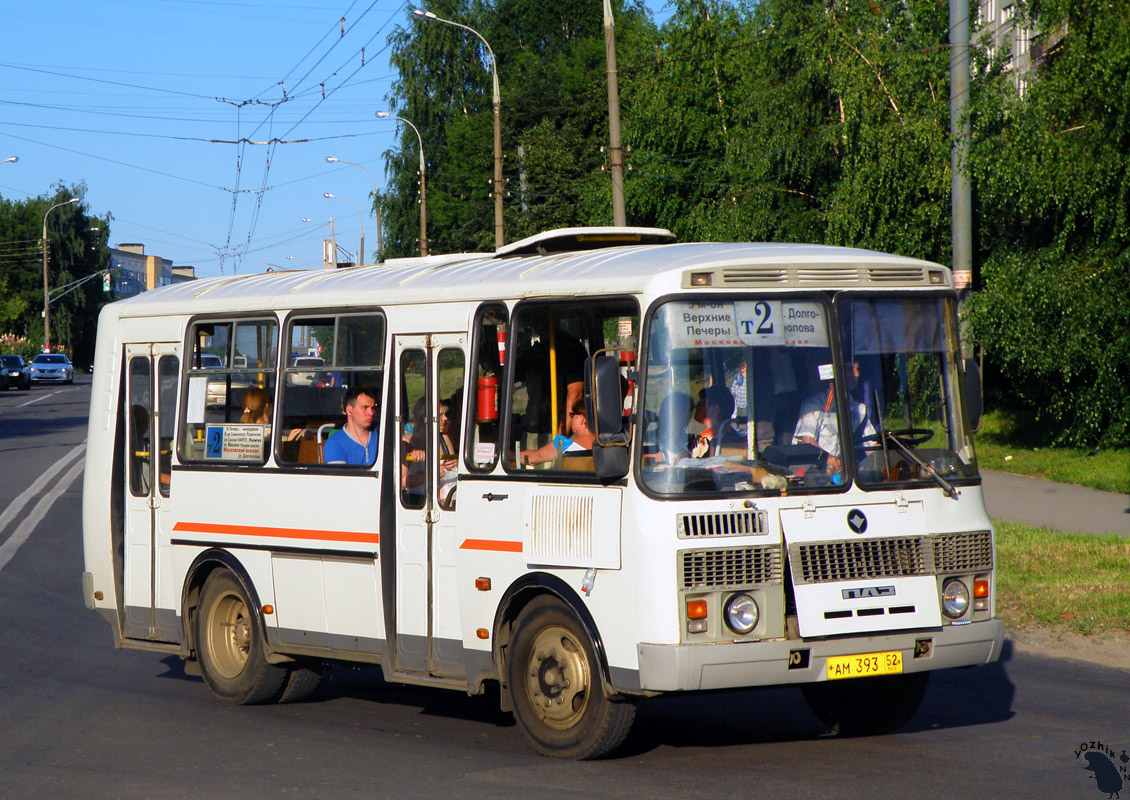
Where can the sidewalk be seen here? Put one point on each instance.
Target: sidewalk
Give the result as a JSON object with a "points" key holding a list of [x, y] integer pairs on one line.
{"points": [[1064, 507]]}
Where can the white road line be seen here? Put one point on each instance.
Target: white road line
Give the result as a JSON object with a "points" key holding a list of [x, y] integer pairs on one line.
{"points": [[16, 506], [23, 531], [41, 397]]}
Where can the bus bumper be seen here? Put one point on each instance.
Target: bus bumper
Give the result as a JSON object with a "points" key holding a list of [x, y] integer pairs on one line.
{"points": [[670, 668]]}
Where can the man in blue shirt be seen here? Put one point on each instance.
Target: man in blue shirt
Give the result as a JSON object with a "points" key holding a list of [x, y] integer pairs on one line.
{"points": [[355, 443]]}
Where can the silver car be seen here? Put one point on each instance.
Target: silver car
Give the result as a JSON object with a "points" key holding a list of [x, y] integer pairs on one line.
{"points": [[52, 368]]}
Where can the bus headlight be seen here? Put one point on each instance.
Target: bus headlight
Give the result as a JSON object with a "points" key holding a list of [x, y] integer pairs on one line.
{"points": [[741, 614], [955, 598]]}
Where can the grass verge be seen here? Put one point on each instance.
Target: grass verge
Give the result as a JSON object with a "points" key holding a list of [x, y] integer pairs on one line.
{"points": [[1051, 579], [1003, 445]]}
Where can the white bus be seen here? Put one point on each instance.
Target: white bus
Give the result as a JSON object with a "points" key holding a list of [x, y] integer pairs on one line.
{"points": [[782, 488]]}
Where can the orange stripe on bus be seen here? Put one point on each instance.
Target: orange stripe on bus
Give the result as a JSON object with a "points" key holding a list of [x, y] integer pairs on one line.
{"points": [[279, 533], [491, 544]]}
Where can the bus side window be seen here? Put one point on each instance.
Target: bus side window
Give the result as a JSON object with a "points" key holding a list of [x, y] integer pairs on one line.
{"points": [[483, 404]]}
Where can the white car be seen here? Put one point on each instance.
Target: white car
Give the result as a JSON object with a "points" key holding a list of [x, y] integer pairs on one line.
{"points": [[313, 364], [52, 368]]}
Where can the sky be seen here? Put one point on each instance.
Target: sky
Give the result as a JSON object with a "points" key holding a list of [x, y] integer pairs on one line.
{"points": [[157, 106]]}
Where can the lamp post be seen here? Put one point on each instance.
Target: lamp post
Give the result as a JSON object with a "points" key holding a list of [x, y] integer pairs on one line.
{"points": [[46, 293], [361, 254], [10, 160], [496, 106], [423, 181], [376, 202]]}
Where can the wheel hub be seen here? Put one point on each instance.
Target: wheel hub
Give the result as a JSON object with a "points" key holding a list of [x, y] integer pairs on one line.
{"points": [[557, 678]]}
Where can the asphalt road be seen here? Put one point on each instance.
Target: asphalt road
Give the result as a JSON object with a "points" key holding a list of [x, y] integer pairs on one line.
{"points": [[1061, 506], [81, 720]]}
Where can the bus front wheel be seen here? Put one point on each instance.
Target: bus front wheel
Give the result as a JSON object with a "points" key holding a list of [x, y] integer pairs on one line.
{"points": [[229, 645], [556, 686]]}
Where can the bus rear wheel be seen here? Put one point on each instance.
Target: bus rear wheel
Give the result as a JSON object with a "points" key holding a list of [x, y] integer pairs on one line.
{"points": [[556, 687], [230, 647], [867, 706]]}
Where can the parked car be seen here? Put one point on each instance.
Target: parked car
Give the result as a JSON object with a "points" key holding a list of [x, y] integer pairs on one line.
{"points": [[14, 373], [52, 368], [308, 378]]}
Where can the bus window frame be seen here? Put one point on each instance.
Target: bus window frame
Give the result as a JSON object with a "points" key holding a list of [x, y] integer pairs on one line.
{"points": [[824, 297], [188, 359], [283, 369], [471, 398], [549, 474]]}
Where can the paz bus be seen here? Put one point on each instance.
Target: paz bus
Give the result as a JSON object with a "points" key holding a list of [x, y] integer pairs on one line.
{"points": [[764, 475]]}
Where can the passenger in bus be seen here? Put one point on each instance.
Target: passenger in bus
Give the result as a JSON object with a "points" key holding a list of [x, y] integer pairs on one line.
{"points": [[256, 407], [448, 460], [533, 369], [355, 443], [413, 452], [580, 439], [818, 423], [715, 409]]}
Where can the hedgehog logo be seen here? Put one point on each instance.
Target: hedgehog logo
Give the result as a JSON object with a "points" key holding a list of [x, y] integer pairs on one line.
{"points": [[1108, 771]]}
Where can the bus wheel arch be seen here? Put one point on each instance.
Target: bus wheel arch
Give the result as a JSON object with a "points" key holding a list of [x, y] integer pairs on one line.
{"points": [[224, 629], [553, 673]]}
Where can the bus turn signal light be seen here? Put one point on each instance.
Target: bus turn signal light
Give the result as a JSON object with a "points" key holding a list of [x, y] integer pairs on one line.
{"points": [[482, 584], [696, 609], [482, 633], [980, 588]]}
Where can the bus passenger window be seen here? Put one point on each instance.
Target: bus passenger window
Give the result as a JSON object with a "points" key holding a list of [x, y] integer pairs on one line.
{"points": [[230, 367], [551, 343], [483, 403], [325, 357]]}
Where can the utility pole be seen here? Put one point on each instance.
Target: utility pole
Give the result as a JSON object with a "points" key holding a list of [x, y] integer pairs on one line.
{"points": [[615, 151], [960, 193]]}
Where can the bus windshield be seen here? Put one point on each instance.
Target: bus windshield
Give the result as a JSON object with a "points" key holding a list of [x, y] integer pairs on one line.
{"points": [[744, 395], [725, 385], [902, 358]]}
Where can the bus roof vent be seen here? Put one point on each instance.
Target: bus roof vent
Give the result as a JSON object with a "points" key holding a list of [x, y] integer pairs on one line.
{"points": [[897, 274], [564, 240]]}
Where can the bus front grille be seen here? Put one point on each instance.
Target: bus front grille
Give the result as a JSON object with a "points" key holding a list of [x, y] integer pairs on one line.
{"points": [[740, 523], [739, 566], [825, 562], [963, 552]]}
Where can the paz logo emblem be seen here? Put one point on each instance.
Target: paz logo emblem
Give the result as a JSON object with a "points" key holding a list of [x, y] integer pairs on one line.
{"points": [[856, 521]]}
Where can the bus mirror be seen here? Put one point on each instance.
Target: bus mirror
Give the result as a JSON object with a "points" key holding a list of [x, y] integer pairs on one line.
{"points": [[973, 401], [604, 407]]}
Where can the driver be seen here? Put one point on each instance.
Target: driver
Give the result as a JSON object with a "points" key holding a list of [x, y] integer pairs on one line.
{"points": [[819, 425]]}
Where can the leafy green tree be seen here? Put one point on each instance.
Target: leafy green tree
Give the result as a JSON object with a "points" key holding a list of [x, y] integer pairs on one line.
{"points": [[1053, 176]]}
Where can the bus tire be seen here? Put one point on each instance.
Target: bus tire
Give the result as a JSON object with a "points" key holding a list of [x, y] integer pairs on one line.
{"points": [[556, 688], [230, 647], [301, 682], [867, 706]]}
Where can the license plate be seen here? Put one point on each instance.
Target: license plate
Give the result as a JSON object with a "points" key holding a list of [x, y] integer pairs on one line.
{"points": [[864, 665]]}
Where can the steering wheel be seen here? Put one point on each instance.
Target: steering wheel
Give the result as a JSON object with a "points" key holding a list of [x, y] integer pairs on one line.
{"points": [[911, 437]]}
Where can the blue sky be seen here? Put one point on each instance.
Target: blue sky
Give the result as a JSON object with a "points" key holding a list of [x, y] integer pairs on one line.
{"points": [[146, 100]]}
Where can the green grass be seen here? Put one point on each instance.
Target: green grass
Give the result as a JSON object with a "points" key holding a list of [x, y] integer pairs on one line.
{"points": [[1050, 579], [1006, 445]]}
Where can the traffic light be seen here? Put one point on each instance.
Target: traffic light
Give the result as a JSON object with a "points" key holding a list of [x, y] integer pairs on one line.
{"points": [[106, 281]]}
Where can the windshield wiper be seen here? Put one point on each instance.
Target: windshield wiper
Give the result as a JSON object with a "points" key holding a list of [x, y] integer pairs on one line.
{"points": [[947, 487]]}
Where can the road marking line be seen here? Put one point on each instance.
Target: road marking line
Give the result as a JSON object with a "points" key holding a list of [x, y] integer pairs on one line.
{"points": [[21, 534], [17, 505], [37, 399]]}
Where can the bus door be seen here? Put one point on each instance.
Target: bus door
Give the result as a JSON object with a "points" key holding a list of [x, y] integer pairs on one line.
{"points": [[149, 412], [430, 399]]}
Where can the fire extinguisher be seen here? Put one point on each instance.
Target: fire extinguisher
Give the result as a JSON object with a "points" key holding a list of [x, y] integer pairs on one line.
{"points": [[487, 399]]}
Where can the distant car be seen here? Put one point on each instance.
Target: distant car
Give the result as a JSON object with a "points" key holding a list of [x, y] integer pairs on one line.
{"points": [[210, 361], [14, 373], [311, 363], [52, 368]]}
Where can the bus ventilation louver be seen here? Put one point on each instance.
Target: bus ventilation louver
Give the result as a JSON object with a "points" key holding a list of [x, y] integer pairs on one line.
{"points": [[963, 552], [742, 523], [897, 275], [824, 275], [872, 558], [736, 567]]}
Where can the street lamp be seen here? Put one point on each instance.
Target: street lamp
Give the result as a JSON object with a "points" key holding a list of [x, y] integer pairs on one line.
{"points": [[423, 181], [376, 200], [46, 294], [496, 106], [361, 254], [10, 160]]}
